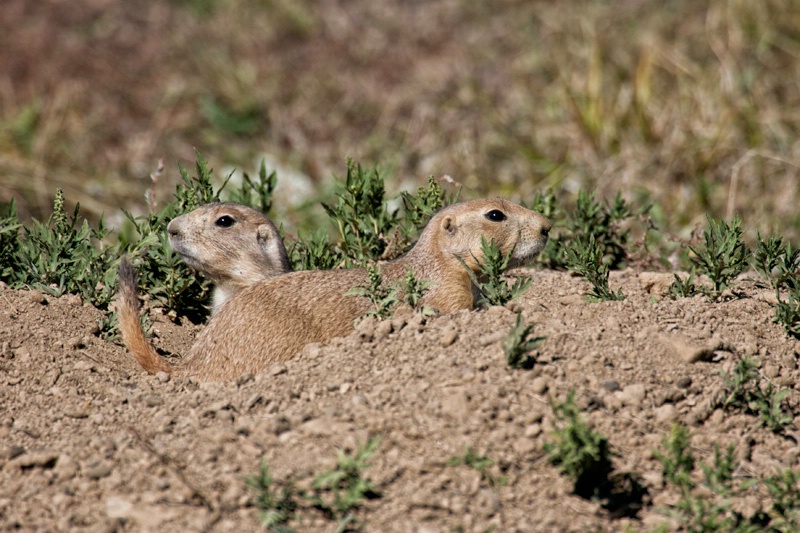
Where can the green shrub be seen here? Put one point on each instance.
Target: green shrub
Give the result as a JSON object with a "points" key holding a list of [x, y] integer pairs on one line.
{"points": [[61, 256], [744, 391], [339, 491], [518, 345], [362, 218], [382, 296], [585, 258], [275, 508], [492, 288], [723, 256], [579, 452], [481, 463]]}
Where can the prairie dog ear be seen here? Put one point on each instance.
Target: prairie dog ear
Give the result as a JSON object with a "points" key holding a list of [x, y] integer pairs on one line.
{"points": [[264, 234], [448, 225]]}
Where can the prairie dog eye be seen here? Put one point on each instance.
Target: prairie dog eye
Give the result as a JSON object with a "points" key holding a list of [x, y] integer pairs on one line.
{"points": [[495, 215], [225, 221]]}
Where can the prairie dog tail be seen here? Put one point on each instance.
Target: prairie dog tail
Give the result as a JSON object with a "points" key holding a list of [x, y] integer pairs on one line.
{"points": [[132, 334]]}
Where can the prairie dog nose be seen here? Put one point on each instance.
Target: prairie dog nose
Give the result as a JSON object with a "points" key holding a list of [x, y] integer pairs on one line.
{"points": [[173, 227], [546, 226]]}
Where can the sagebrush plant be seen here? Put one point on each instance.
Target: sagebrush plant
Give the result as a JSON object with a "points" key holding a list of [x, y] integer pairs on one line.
{"points": [[63, 255], [257, 194], [518, 345], [339, 491], [492, 288], [336, 492], [604, 222], [585, 258], [481, 463], [366, 228], [787, 312], [275, 507], [361, 215], [10, 227], [744, 391], [720, 475], [546, 203], [677, 463], [707, 505], [314, 252], [723, 255], [777, 262], [419, 208], [784, 512], [578, 451], [683, 287], [411, 290], [382, 296]]}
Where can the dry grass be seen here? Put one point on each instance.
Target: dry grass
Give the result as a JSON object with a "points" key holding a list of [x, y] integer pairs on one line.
{"points": [[693, 105]]}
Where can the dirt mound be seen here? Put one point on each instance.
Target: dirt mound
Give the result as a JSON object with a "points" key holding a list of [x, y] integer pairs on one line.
{"points": [[89, 441]]}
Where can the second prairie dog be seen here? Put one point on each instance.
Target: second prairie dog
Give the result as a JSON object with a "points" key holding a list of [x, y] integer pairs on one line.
{"points": [[272, 320], [233, 245]]}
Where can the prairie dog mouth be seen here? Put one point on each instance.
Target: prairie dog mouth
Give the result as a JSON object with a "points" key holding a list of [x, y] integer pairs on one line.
{"points": [[179, 247], [524, 251]]}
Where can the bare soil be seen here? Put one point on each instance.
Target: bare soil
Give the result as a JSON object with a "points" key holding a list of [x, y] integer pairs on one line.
{"points": [[88, 441]]}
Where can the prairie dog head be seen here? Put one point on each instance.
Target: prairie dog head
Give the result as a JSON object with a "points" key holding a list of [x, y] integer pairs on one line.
{"points": [[458, 230], [231, 244]]}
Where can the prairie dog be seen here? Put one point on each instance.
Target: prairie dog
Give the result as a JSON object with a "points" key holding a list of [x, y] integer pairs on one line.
{"points": [[272, 320], [231, 244]]}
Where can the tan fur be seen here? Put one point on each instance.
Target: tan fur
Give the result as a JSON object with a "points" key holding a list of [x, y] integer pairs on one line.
{"points": [[272, 320], [244, 249]]}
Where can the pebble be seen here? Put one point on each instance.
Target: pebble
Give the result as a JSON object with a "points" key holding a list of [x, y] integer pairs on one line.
{"points": [[21, 425], [277, 370], [717, 417], [684, 383], [37, 297], [487, 502], [153, 400], [612, 402], [692, 352], [666, 413], [99, 471], [448, 337], [66, 468], [611, 385], [73, 343], [10, 452], [539, 385], [73, 299], [524, 446], [492, 338], [253, 400], [277, 424], [455, 404], [118, 507], [656, 283], [383, 329], [44, 459], [632, 395], [76, 411]]}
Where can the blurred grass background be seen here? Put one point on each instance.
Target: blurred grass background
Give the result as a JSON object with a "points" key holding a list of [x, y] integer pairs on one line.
{"points": [[692, 105]]}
